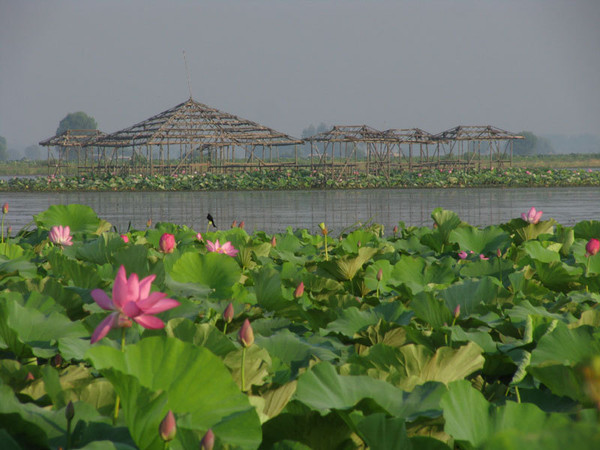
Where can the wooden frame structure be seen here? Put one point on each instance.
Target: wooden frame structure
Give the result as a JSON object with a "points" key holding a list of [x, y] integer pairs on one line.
{"points": [[189, 137], [405, 157], [338, 153], [62, 147], [461, 144]]}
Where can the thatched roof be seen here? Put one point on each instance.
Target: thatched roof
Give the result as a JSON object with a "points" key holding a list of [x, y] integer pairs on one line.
{"points": [[476, 133], [73, 138], [192, 122], [350, 133], [410, 136]]}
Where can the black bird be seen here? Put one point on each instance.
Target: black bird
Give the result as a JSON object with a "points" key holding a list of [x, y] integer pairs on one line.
{"points": [[211, 220]]}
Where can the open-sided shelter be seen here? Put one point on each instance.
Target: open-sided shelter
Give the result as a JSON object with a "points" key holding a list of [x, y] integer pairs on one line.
{"points": [[70, 150]]}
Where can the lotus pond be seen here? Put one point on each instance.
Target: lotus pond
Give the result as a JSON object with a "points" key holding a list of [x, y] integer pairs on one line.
{"points": [[440, 337]]}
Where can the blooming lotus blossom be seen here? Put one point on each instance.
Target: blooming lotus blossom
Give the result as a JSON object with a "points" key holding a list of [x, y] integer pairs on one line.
{"points": [[592, 247], [167, 243], [462, 255], [532, 216], [227, 248], [131, 300], [60, 235]]}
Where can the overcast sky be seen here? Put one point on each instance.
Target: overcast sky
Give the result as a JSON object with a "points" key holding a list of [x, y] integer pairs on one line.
{"points": [[433, 64]]}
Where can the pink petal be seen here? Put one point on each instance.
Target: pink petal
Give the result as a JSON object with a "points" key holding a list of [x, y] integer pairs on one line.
{"points": [[102, 299], [537, 217], [162, 305], [130, 309], [149, 322], [145, 286], [120, 288], [524, 217], [150, 301], [105, 326]]}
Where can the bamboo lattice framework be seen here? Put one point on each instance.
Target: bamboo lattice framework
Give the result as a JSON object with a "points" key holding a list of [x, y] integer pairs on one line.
{"points": [[462, 144], [70, 144]]}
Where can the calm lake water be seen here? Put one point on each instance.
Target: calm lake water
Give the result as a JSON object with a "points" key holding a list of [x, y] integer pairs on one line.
{"points": [[273, 211]]}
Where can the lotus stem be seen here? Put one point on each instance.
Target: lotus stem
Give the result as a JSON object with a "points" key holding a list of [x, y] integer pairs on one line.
{"points": [[2, 228], [326, 253], [243, 364], [225, 328], [587, 271], [68, 447], [118, 399], [518, 395]]}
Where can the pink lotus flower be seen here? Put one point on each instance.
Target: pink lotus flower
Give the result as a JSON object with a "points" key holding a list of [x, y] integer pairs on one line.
{"points": [[125, 238], [528, 172], [483, 257], [462, 255], [131, 300], [592, 247], [246, 334], [60, 235], [168, 427], [167, 243], [199, 236], [532, 216], [227, 248]]}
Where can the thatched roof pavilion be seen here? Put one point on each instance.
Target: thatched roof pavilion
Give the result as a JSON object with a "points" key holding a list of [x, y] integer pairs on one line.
{"points": [[203, 136]]}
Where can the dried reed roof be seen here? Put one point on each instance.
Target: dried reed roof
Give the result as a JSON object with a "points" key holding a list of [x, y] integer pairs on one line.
{"points": [[194, 122], [410, 136], [476, 133], [73, 138], [350, 133]]}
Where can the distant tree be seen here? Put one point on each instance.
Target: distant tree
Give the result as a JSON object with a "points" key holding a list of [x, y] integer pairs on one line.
{"points": [[33, 152], [532, 145], [3, 154], [76, 121]]}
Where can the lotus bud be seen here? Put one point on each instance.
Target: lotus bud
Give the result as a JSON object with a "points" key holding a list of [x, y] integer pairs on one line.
{"points": [[358, 244], [208, 441], [29, 376], [395, 230], [299, 290], [462, 255], [5, 208], [168, 427], [58, 361], [246, 335], [148, 223], [125, 238], [242, 225], [457, 311], [70, 411], [167, 243], [199, 236], [228, 313], [234, 224], [323, 228], [379, 274], [592, 247], [498, 253], [273, 241]]}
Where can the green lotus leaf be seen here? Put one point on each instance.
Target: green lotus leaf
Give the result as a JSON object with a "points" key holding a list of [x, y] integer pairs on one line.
{"points": [[202, 335], [566, 346], [291, 348], [322, 389], [21, 265], [27, 331], [352, 320], [431, 310], [216, 271], [357, 239], [446, 222], [557, 275], [79, 218], [161, 373], [471, 419], [381, 432], [484, 241], [469, 294], [587, 229], [346, 267], [537, 251], [417, 275]]}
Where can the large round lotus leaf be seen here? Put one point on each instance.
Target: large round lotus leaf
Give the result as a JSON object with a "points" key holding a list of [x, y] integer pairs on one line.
{"points": [[80, 218], [159, 374]]}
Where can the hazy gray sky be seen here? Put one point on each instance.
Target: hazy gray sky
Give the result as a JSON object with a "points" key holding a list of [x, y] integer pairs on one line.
{"points": [[434, 64]]}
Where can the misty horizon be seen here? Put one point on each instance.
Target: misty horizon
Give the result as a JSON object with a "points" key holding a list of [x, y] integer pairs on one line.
{"points": [[516, 65]]}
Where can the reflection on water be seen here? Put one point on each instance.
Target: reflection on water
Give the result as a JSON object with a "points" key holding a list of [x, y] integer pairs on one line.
{"points": [[273, 211]]}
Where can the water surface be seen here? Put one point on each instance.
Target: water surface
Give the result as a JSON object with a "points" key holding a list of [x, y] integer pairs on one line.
{"points": [[273, 211]]}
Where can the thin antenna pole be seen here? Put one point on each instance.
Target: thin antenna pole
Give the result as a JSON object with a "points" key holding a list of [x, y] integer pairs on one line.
{"points": [[187, 73]]}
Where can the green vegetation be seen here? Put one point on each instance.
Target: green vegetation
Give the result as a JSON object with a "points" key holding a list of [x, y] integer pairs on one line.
{"points": [[76, 121], [305, 179], [439, 338]]}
